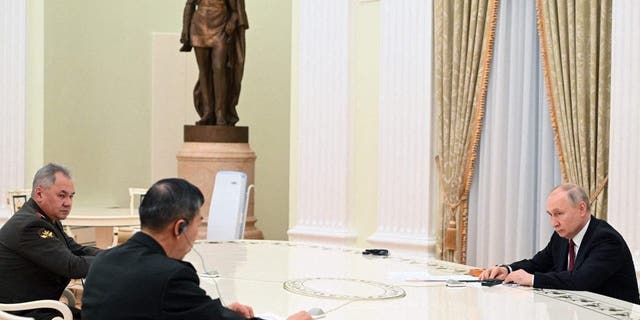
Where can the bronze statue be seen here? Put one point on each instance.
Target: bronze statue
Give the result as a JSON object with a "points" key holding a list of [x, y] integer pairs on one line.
{"points": [[216, 31]]}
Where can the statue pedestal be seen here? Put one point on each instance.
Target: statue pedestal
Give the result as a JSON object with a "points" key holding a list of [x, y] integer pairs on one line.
{"points": [[209, 149]]}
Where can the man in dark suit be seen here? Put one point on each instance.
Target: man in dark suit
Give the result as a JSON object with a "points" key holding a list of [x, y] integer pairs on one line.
{"points": [[37, 259], [145, 278], [584, 253]]}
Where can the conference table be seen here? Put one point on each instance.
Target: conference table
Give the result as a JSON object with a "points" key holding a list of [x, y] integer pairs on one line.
{"points": [[103, 219], [278, 278]]}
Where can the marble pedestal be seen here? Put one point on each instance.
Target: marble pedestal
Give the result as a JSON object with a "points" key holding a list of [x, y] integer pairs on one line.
{"points": [[227, 149]]}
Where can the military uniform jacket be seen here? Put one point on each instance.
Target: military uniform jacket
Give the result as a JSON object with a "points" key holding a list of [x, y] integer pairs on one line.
{"points": [[37, 259], [603, 264], [137, 280]]}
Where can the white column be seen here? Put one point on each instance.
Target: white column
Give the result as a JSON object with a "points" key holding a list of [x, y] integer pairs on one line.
{"points": [[12, 96], [405, 127], [324, 122], [624, 168]]}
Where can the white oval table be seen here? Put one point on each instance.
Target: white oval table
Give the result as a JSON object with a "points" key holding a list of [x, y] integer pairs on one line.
{"points": [[282, 277]]}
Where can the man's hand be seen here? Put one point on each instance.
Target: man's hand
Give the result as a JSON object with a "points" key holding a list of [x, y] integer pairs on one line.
{"points": [[301, 315], [230, 27], [184, 37], [245, 311], [497, 272], [520, 277]]}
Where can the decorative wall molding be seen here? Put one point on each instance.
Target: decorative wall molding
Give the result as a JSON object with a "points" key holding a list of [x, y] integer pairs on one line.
{"points": [[324, 122], [624, 146], [405, 127], [13, 35]]}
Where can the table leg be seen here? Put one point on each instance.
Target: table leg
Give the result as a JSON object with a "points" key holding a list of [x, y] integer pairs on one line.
{"points": [[104, 237]]}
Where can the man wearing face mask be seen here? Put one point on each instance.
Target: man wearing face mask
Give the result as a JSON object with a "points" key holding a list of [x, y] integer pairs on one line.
{"points": [[145, 278], [37, 259]]}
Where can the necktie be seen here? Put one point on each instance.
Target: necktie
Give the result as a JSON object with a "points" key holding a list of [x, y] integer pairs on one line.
{"points": [[572, 254]]}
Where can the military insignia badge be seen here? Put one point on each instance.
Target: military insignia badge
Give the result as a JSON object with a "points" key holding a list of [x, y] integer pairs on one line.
{"points": [[44, 234]]}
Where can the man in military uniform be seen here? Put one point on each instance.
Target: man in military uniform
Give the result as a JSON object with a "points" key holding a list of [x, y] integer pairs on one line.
{"points": [[37, 259]]}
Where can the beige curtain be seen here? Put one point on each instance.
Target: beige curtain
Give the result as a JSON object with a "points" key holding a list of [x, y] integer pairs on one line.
{"points": [[463, 42], [575, 37]]}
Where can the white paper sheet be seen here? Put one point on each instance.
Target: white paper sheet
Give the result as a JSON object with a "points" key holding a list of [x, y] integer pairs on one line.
{"points": [[425, 276]]}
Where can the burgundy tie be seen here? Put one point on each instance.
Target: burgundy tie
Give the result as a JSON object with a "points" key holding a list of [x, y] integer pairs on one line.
{"points": [[572, 255]]}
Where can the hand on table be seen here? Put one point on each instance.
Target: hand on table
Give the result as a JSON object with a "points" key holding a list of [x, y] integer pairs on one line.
{"points": [[245, 311], [520, 277], [300, 315], [496, 272]]}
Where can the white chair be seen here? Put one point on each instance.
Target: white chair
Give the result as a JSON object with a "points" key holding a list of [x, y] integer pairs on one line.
{"points": [[122, 234], [69, 296], [135, 193], [228, 210], [38, 304], [8, 316]]}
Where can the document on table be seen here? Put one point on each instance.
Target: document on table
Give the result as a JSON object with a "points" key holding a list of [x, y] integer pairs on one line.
{"points": [[427, 277], [269, 316]]}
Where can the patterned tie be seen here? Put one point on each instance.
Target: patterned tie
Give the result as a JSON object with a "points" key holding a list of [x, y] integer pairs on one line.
{"points": [[572, 255]]}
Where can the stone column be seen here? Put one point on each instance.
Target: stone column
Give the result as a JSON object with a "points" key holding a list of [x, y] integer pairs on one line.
{"points": [[209, 149], [324, 134], [12, 97], [404, 152], [624, 146]]}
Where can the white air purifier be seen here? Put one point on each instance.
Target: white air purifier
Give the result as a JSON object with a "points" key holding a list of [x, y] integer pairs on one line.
{"points": [[227, 213]]}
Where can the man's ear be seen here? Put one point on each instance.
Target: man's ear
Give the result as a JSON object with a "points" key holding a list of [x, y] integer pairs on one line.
{"points": [[37, 193], [179, 227], [582, 206]]}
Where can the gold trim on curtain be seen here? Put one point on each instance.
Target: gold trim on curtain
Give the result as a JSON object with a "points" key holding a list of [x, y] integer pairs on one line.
{"points": [[575, 40], [463, 40]]}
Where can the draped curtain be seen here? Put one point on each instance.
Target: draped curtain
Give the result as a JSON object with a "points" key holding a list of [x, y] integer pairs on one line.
{"points": [[517, 165], [575, 39], [463, 41]]}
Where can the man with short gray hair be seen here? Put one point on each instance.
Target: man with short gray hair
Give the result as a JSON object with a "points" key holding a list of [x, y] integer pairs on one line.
{"points": [[584, 253], [37, 259]]}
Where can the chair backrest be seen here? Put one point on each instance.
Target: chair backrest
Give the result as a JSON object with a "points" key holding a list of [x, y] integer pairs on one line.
{"points": [[122, 234], [37, 304], [227, 212], [135, 193], [8, 316], [17, 198]]}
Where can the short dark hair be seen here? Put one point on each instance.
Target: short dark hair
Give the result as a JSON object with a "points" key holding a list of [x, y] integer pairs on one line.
{"points": [[46, 176], [168, 200]]}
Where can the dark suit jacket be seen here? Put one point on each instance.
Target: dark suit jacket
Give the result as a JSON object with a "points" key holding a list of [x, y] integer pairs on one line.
{"points": [[136, 280], [37, 259], [603, 264]]}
